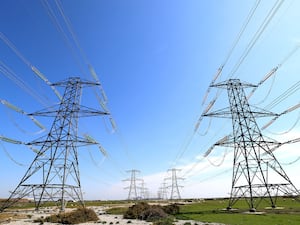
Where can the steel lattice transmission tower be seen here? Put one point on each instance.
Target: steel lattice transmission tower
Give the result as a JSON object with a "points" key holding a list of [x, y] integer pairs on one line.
{"points": [[256, 172], [162, 193], [54, 173], [133, 187], [175, 194]]}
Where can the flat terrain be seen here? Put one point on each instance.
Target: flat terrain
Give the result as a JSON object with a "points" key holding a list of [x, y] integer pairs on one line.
{"points": [[27, 217], [196, 212], [286, 213]]}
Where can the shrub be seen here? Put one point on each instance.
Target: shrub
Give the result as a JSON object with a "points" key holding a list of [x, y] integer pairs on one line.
{"points": [[135, 211], [80, 215], [144, 211], [187, 223], [172, 209], [153, 213], [166, 221]]}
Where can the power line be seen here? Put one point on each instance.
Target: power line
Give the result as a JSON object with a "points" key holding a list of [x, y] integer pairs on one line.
{"points": [[257, 35], [73, 43], [21, 111], [6, 71], [216, 76], [235, 43], [33, 68], [291, 90], [11, 157]]}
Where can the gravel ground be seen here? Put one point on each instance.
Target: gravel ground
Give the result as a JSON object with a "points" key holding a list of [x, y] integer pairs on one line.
{"points": [[28, 217]]}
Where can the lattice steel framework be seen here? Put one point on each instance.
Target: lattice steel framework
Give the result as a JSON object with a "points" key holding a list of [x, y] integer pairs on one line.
{"points": [[133, 187], [54, 173], [162, 193], [257, 174], [175, 193]]}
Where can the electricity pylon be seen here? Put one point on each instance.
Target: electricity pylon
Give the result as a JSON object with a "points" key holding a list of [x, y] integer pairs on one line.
{"points": [[54, 173], [133, 187], [256, 172], [144, 191], [175, 194], [162, 193]]}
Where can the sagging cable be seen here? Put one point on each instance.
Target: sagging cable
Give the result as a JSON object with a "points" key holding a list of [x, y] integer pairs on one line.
{"points": [[21, 111], [266, 77], [284, 112], [93, 141], [10, 157]]}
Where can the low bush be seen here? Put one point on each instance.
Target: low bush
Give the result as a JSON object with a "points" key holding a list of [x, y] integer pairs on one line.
{"points": [[187, 223], [172, 209], [154, 213], [144, 211], [166, 221], [136, 211], [81, 215]]}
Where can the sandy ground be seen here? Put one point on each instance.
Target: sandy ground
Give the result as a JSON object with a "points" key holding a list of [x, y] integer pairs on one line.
{"points": [[27, 217]]}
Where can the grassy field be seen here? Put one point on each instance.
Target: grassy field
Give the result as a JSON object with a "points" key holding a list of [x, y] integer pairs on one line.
{"points": [[287, 213]]}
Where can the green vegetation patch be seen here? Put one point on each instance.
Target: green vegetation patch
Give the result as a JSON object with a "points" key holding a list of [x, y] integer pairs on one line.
{"points": [[288, 212]]}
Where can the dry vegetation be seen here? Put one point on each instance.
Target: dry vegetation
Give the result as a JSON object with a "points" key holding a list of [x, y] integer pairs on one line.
{"points": [[154, 213], [80, 215], [7, 217]]}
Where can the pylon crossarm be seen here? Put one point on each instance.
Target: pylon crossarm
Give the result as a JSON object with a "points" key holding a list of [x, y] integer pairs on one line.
{"points": [[235, 82], [87, 112], [279, 144], [259, 112], [82, 111], [222, 113], [292, 141], [75, 80], [78, 140]]}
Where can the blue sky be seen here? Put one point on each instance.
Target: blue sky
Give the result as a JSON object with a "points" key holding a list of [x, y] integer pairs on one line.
{"points": [[155, 60]]}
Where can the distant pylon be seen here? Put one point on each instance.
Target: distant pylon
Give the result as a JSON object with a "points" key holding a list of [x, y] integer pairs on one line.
{"points": [[256, 172], [144, 190], [162, 193], [133, 187], [175, 194], [54, 173]]}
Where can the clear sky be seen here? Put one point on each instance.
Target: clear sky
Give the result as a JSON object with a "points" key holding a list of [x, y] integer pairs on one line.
{"points": [[155, 60]]}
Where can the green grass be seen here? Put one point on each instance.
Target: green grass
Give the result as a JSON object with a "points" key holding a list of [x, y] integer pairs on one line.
{"points": [[213, 211], [245, 219]]}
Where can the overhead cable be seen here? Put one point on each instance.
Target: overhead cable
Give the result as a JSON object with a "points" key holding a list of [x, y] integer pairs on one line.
{"points": [[33, 68], [257, 35]]}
